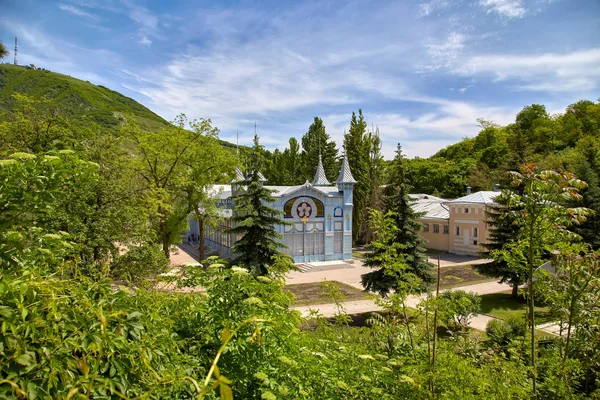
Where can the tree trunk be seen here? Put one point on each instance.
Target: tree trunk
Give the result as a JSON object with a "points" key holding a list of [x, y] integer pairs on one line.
{"points": [[515, 289]]}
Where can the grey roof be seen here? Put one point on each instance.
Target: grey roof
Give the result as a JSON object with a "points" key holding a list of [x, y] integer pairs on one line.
{"points": [[239, 175], [320, 177], [345, 175], [329, 191], [432, 206], [481, 197], [423, 196]]}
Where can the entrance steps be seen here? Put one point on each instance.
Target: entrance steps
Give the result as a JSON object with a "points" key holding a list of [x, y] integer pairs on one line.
{"points": [[323, 265]]}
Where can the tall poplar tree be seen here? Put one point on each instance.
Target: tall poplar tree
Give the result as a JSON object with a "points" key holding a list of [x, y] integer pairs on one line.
{"points": [[357, 149], [314, 142], [254, 220], [397, 251]]}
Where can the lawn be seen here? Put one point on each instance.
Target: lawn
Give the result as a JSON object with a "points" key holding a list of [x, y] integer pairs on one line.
{"points": [[312, 293], [460, 275], [503, 305]]}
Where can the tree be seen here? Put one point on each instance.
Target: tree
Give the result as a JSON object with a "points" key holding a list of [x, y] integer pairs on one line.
{"points": [[314, 142], [357, 150], [376, 171], [544, 220], [36, 126], [503, 230], [254, 221], [397, 250], [176, 164], [3, 51]]}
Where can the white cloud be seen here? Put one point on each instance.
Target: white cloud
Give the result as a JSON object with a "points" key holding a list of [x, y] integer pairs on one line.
{"points": [[443, 54], [430, 7], [76, 11], [549, 72], [145, 41], [505, 8]]}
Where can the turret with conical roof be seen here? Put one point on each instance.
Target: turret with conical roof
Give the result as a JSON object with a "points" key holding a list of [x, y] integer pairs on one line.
{"points": [[345, 175], [320, 177], [345, 182]]}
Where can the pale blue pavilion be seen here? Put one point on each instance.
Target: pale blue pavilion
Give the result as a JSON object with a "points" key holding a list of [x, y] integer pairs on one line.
{"points": [[319, 213]]}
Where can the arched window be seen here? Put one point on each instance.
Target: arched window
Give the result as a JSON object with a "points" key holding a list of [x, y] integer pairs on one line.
{"points": [[338, 212], [303, 206]]}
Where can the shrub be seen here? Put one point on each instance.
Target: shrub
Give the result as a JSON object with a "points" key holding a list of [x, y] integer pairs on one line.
{"points": [[502, 332], [457, 307], [139, 263]]}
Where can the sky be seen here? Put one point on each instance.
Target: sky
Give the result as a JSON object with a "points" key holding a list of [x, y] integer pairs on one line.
{"points": [[423, 72]]}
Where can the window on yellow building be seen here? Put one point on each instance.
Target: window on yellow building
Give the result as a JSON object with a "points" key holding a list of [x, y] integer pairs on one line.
{"points": [[436, 228], [446, 229], [475, 232], [425, 227], [457, 230], [466, 210]]}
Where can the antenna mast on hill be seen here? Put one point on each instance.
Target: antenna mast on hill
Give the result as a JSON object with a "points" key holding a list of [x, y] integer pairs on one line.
{"points": [[16, 51]]}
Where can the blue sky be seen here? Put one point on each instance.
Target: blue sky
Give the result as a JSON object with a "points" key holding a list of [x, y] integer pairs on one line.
{"points": [[422, 71]]}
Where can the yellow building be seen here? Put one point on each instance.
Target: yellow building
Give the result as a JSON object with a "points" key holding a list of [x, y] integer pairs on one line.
{"points": [[456, 226]]}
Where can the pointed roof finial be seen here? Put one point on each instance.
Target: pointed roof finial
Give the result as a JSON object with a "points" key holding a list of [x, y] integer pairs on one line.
{"points": [[320, 177], [345, 175]]}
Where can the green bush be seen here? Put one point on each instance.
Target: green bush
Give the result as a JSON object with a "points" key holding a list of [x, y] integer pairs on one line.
{"points": [[501, 332], [139, 263]]}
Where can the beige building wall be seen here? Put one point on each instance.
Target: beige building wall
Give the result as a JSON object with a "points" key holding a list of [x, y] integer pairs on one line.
{"points": [[433, 231], [467, 228]]}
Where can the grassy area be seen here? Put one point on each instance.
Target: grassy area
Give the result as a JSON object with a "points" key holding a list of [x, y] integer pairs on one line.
{"points": [[357, 254], [461, 275], [435, 251], [312, 293], [503, 305]]}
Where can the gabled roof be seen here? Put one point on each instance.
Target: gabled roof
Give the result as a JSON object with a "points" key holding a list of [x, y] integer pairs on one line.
{"points": [[481, 197], [345, 175], [329, 191], [320, 177], [432, 206]]}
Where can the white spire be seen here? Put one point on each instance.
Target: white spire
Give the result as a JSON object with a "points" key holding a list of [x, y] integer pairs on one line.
{"points": [[320, 177], [345, 175]]}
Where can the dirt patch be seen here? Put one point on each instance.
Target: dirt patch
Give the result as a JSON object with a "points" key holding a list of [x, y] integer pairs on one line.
{"points": [[461, 275], [313, 293]]}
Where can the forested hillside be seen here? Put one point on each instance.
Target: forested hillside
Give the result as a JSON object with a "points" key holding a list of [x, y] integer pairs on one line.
{"points": [[84, 105], [568, 141]]}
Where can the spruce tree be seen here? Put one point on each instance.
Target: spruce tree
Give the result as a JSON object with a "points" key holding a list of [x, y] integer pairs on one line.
{"points": [[314, 142], [503, 229], [357, 149], [397, 251], [254, 220]]}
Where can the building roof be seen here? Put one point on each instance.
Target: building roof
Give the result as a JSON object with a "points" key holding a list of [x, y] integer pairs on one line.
{"points": [[423, 196], [330, 191], [320, 177], [431, 206], [345, 175], [481, 197]]}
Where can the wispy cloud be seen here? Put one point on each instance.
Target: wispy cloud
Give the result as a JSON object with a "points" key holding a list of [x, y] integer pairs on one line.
{"points": [[505, 8], [76, 11], [550, 72], [443, 54]]}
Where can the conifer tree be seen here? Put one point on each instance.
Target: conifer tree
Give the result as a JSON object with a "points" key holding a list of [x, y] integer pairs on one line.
{"points": [[314, 142], [357, 149], [503, 230], [254, 220], [397, 251]]}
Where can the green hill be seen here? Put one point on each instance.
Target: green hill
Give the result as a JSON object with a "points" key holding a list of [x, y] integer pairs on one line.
{"points": [[80, 101]]}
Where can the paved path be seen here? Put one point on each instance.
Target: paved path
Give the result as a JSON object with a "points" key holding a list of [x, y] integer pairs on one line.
{"points": [[478, 322]]}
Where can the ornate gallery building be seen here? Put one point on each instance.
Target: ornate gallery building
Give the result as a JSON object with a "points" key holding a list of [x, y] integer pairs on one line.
{"points": [[319, 213]]}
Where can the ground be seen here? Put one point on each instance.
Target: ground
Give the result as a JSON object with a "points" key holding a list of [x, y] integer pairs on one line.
{"points": [[503, 305], [313, 293]]}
